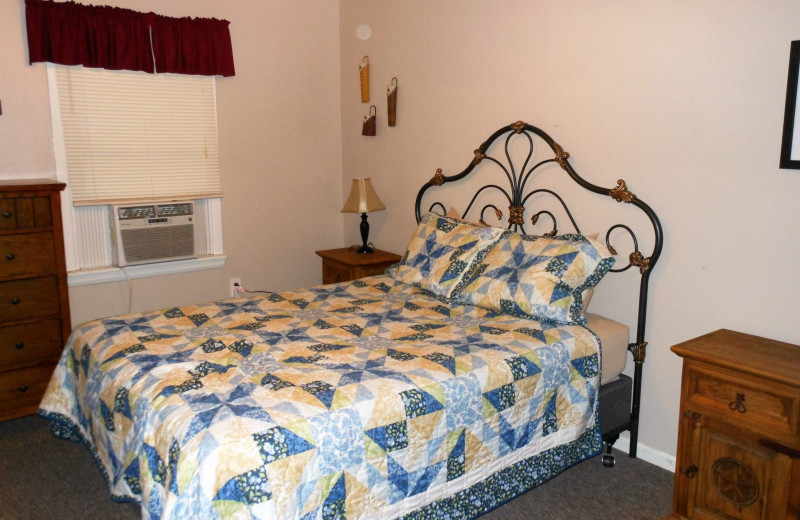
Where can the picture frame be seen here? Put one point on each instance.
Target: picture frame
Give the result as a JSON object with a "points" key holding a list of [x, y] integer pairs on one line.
{"points": [[790, 144]]}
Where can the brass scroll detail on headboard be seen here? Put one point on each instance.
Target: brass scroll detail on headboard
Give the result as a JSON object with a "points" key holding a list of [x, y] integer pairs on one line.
{"points": [[638, 259], [438, 178], [639, 351], [515, 215], [479, 155], [518, 127], [621, 193], [561, 156]]}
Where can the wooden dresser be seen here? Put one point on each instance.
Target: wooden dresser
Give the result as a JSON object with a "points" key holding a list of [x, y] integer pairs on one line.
{"points": [[738, 439], [34, 306], [345, 264]]}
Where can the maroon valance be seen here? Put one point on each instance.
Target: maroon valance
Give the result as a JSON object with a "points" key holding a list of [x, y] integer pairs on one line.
{"points": [[115, 38]]}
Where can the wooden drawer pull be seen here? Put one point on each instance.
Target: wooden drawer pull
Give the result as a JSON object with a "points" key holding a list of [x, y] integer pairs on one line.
{"points": [[15, 301], [7, 214], [23, 389], [780, 448], [691, 471], [10, 256], [20, 345], [738, 404]]}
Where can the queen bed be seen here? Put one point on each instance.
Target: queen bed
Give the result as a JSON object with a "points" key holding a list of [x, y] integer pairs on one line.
{"points": [[463, 377]]}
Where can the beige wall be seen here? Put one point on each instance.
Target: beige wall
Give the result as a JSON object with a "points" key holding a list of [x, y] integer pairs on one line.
{"points": [[280, 147], [683, 99]]}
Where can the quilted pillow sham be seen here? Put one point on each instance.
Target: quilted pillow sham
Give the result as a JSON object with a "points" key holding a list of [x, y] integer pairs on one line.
{"points": [[541, 277], [441, 251]]}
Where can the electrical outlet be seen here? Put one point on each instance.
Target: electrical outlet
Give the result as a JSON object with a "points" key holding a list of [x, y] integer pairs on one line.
{"points": [[233, 290]]}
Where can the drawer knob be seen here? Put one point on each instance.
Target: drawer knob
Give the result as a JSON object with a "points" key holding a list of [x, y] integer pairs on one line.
{"points": [[7, 214], [10, 256], [691, 471], [20, 345], [23, 389], [15, 301], [738, 404]]}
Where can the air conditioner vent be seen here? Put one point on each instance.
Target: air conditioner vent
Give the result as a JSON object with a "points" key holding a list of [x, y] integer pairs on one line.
{"points": [[148, 233]]}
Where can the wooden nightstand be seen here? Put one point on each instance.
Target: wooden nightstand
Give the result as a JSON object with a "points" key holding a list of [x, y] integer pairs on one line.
{"points": [[738, 441], [34, 305], [342, 265]]}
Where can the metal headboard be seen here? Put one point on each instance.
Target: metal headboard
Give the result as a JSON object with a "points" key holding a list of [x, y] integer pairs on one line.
{"points": [[519, 193]]}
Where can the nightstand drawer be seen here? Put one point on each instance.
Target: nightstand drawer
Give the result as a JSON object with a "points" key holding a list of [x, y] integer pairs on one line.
{"points": [[335, 273], [30, 343], [370, 270], [764, 406], [22, 390], [30, 254], [26, 299]]}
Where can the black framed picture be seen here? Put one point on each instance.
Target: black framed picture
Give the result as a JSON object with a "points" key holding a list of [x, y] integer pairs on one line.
{"points": [[790, 145]]}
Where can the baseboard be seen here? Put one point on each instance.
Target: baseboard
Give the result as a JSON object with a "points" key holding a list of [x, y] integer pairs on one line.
{"points": [[645, 452]]}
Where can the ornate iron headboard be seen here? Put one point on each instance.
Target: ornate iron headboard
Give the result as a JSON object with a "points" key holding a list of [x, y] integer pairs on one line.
{"points": [[517, 197]]}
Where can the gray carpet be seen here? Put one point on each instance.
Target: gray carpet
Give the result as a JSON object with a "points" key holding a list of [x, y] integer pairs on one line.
{"points": [[42, 477]]}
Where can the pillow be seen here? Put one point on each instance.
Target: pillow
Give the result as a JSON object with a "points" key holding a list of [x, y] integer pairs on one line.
{"points": [[454, 214], [540, 277], [440, 251]]}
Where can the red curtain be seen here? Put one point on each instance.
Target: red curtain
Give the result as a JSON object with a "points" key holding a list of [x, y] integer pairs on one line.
{"points": [[114, 38]]}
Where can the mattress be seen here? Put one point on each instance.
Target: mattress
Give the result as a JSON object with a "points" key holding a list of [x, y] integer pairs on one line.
{"points": [[367, 399], [614, 338]]}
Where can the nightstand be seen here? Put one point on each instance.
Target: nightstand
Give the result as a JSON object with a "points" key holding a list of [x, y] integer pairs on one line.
{"points": [[738, 441], [342, 265]]}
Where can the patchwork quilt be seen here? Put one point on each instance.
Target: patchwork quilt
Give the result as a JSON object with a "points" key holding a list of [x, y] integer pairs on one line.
{"points": [[367, 399]]}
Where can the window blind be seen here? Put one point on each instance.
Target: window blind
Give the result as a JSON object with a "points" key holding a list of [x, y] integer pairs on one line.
{"points": [[132, 136]]}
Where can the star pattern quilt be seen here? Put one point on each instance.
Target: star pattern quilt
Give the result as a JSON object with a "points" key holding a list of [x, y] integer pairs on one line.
{"points": [[366, 399]]}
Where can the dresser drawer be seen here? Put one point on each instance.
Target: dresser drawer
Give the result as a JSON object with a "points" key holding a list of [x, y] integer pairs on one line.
{"points": [[29, 254], [25, 213], [22, 390], [30, 343], [32, 298], [767, 407]]}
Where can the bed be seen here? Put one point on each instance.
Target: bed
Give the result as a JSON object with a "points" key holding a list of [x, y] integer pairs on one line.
{"points": [[463, 377]]}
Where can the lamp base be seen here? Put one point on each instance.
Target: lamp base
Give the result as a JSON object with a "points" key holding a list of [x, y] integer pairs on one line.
{"points": [[364, 235]]}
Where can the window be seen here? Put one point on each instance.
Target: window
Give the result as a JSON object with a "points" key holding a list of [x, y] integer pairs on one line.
{"points": [[126, 137]]}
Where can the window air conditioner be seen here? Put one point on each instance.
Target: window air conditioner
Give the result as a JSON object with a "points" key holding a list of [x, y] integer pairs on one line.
{"points": [[148, 233]]}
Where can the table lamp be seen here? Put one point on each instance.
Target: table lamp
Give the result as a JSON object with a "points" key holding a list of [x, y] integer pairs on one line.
{"points": [[363, 199]]}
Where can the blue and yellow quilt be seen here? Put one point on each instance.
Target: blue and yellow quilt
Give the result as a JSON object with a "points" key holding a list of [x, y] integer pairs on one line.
{"points": [[367, 399]]}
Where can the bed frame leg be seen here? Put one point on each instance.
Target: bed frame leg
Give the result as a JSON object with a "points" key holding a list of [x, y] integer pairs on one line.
{"points": [[608, 457]]}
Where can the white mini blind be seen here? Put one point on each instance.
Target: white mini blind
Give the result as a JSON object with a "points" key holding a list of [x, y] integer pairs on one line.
{"points": [[133, 136]]}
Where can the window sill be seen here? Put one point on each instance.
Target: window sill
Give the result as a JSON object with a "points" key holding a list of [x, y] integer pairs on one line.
{"points": [[118, 274]]}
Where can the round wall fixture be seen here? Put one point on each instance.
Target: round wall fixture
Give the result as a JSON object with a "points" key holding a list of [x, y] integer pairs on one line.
{"points": [[364, 31]]}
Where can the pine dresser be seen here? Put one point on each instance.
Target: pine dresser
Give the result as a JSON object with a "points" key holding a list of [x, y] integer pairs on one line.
{"points": [[34, 305]]}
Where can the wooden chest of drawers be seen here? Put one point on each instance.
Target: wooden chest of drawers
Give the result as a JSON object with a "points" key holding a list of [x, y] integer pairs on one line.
{"points": [[739, 433], [34, 305]]}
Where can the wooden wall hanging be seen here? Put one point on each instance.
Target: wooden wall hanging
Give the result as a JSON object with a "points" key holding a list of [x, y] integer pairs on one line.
{"points": [[391, 102], [363, 69], [370, 121]]}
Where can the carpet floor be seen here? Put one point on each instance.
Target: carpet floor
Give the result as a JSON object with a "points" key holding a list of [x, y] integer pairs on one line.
{"points": [[43, 477]]}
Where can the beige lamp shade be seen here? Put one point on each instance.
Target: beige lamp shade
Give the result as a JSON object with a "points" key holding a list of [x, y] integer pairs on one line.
{"points": [[363, 198]]}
